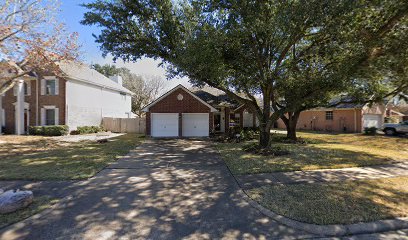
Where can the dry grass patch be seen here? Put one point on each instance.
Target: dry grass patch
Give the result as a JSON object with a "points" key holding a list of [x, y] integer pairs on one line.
{"points": [[380, 145], [337, 203], [322, 151], [44, 158], [39, 204]]}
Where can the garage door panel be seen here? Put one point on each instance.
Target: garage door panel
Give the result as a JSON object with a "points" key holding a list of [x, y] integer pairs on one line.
{"points": [[372, 120], [196, 125], [164, 125]]}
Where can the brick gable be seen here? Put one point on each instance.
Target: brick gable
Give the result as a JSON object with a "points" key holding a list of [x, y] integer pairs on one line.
{"points": [[171, 104]]}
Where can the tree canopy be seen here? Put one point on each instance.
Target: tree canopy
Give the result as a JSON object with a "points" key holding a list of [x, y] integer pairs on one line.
{"points": [[31, 38], [294, 54]]}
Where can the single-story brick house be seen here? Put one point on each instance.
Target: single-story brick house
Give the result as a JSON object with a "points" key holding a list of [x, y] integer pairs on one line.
{"points": [[194, 113], [348, 117]]}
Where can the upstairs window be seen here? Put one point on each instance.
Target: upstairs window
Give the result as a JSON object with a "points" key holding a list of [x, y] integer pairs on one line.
{"points": [[27, 88], [50, 87], [329, 115]]}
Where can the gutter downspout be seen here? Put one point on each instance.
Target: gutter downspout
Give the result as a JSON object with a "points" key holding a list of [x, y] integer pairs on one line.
{"points": [[37, 101], [355, 120]]}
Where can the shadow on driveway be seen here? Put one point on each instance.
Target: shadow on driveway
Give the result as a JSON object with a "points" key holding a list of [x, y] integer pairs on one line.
{"points": [[164, 189]]}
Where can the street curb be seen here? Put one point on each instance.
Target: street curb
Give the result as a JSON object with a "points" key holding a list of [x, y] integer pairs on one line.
{"points": [[335, 230], [61, 203]]}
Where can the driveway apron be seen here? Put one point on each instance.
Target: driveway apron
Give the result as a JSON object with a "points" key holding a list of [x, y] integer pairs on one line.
{"points": [[163, 189]]}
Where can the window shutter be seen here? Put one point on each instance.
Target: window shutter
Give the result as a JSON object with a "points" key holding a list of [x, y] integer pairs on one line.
{"points": [[42, 86], [56, 116], [56, 86], [42, 116]]}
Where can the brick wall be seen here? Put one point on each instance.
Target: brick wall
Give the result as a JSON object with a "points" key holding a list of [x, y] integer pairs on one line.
{"points": [[241, 111], [343, 121], [34, 118], [170, 104]]}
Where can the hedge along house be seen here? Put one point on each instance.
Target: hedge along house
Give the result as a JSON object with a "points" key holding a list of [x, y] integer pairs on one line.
{"points": [[348, 117], [194, 113], [80, 96]]}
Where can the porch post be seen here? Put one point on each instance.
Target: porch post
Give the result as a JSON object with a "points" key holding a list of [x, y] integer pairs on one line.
{"points": [[20, 108]]}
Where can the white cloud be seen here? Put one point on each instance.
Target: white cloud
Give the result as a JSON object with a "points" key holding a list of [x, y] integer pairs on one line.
{"points": [[146, 67]]}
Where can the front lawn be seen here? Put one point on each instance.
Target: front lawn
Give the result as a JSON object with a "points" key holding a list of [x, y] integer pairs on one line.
{"points": [[323, 151], [39, 204], [337, 203], [44, 158]]}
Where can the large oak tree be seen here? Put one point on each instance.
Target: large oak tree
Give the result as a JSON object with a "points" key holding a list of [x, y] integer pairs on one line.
{"points": [[237, 46]]}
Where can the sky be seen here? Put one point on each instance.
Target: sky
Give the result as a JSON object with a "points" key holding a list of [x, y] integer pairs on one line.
{"points": [[72, 13]]}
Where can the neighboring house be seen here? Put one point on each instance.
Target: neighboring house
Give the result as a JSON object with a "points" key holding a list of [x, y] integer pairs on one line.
{"points": [[352, 118], [395, 115], [194, 113], [81, 97]]}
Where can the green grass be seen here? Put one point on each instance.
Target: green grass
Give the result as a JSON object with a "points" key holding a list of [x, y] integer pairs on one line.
{"points": [[39, 204], [43, 159], [337, 203], [322, 151]]}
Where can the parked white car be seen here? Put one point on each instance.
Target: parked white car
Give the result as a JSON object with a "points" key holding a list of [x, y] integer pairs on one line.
{"points": [[394, 128]]}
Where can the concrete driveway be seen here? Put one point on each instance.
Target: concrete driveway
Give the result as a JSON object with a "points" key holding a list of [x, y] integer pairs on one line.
{"points": [[164, 189]]}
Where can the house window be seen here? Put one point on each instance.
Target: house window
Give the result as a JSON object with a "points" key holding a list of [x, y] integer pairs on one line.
{"points": [[329, 115], [27, 88], [50, 117], [50, 87], [237, 119]]}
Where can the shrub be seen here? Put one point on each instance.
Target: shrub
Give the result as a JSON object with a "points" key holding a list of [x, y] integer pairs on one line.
{"points": [[57, 130], [370, 130], [36, 130], [89, 129], [54, 130]]}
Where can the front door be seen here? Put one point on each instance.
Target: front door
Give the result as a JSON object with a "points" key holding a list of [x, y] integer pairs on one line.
{"points": [[26, 120], [217, 122]]}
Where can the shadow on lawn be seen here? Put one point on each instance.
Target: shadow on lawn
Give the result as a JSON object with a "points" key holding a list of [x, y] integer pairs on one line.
{"points": [[162, 190], [338, 202], [300, 157], [78, 160]]}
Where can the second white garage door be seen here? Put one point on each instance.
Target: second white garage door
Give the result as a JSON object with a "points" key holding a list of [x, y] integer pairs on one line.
{"points": [[196, 125], [164, 124]]}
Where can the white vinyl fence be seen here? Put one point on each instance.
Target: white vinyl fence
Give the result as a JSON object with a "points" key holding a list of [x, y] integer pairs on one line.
{"points": [[125, 125]]}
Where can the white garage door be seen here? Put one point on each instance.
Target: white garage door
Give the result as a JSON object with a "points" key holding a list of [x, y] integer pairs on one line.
{"points": [[165, 125], [372, 120], [196, 124]]}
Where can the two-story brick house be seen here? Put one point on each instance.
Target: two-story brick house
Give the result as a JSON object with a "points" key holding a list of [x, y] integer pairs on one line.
{"points": [[80, 96]]}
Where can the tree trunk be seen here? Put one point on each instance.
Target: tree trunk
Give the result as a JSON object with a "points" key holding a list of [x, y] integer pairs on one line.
{"points": [[264, 136], [291, 122]]}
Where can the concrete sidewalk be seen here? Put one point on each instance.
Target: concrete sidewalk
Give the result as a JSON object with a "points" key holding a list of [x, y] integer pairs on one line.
{"points": [[324, 175]]}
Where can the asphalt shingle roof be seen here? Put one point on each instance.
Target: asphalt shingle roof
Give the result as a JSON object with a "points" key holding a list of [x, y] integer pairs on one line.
{"points": [[82, 72]]}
